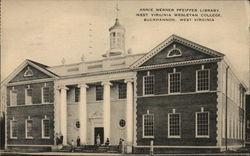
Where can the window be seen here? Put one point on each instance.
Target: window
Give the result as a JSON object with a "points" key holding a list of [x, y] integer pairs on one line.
{"points": [[77, 124], [99, 93], [174, 125], [148, 84], [174, 52], [28, 130], [122, 91], [202, 124], [148, 125], [122, 123], [202, 81], [45, 95], [174, 82], [28, 96], [13, 129], [248, 124], [77, 94], [13, 97], [45, 128], [28, 72]]}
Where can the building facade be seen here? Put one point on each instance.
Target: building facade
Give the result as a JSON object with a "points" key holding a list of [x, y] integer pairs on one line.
{"points": [[180, 95]]}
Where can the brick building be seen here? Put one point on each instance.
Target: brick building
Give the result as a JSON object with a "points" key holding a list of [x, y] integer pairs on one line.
{"points": [[181, 95]]}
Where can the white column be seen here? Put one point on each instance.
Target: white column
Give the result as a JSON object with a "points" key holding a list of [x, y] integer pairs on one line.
{"points": [[129, 115], [57, 112], [106, 109], [83, 113], [63, 113]]}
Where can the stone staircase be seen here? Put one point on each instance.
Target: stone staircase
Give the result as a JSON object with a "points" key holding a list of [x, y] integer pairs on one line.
{"points": [[91, 149]]}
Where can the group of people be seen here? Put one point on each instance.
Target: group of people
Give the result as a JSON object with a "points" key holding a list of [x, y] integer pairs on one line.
{"points": [[59, 142]]}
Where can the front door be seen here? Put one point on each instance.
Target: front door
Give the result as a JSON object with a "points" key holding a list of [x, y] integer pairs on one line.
{"points": [[99, 131]]}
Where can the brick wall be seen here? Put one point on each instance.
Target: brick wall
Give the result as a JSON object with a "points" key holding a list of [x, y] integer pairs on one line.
{"points": [[188, 78], [186, 105], [36, 113], [36, 93]]}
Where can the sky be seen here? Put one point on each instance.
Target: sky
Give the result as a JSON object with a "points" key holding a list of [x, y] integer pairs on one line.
{"points": [[48, 31]]}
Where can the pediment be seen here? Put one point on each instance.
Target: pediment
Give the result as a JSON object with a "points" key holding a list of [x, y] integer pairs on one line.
{"points": [[176, 49], [29, 70]]}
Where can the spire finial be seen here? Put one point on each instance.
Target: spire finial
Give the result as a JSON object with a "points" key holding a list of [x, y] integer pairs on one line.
{"points": [[117, 9]]}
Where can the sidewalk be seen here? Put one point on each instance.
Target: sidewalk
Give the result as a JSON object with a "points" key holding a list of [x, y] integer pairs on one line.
{"points": [[114, 154]]}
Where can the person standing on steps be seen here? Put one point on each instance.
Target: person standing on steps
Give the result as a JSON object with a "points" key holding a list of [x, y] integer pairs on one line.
{"points": [[78, 141], [72, 146]]}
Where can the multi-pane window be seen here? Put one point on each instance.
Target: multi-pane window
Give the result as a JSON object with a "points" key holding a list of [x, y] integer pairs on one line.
{"points": [[202, 80], [99, 93], [45, 128], [202, 124], [45, 95], [77, 94], [29, 127], [148, 125], [148, 85], [13, 129], [174, 82], [174, 125], [122, 91], [28, 96], [13, 98]]}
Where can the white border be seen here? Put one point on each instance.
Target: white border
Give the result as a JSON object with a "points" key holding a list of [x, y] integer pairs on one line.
{"points": [[43, 137], [179, 136], [196, 85], [26, 97], [42, 98], [143, 85], [28, 137], [196, 130], [143, 136], [11, 137], [169, 82]]}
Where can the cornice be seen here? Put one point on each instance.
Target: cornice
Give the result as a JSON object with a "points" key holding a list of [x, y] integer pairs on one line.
{"points": [[170, 40], [175, 64], [30, 81]]}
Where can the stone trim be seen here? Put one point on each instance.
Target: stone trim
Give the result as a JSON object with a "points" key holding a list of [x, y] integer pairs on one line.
{"points": [[30, 82], [169, 41], [173, 94], [175, 64]]}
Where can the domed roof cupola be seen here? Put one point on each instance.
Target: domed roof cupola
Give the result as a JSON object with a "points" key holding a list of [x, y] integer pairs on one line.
{"points": [[117, 39], [117, 25]]}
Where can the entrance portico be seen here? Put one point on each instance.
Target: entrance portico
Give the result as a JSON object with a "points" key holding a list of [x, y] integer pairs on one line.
{"points": [[93, 114]]}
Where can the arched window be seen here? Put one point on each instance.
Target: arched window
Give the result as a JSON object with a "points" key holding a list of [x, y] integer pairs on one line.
{"points": [[174, 52], [28, 72]]}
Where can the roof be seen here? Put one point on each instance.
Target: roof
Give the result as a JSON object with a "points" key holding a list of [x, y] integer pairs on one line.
{"points": [[117, 25], [167, 42]]}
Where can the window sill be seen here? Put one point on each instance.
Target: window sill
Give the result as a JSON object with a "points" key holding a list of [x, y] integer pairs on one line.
{"points": [[148, 137], [174, 137], [38, 104], [45, 137], [200, 91], [14, 138], [148, 95], [205, 137]]}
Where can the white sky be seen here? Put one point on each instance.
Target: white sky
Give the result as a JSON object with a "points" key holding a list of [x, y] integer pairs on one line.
{"points": [[48, 30]]}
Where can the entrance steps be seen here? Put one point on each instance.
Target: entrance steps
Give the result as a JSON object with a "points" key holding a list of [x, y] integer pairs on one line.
{"points": [[91, 149]]}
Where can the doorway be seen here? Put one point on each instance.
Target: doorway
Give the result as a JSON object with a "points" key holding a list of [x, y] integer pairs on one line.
{"points": [[99, 131]]}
